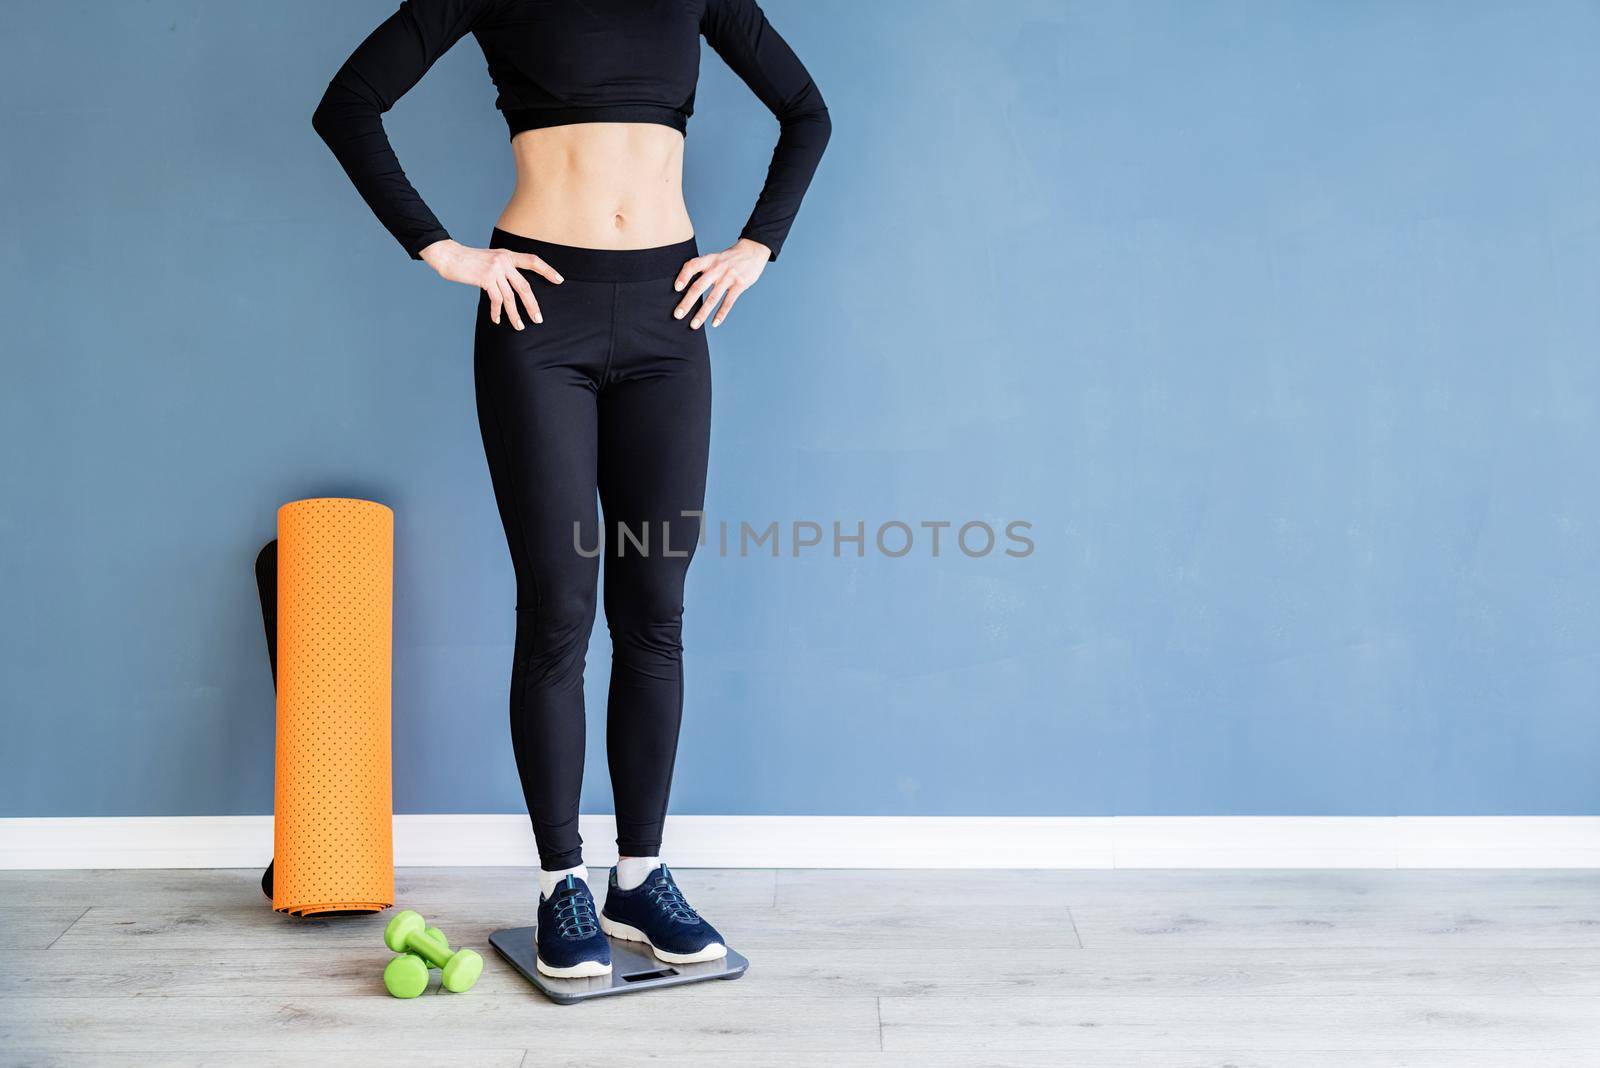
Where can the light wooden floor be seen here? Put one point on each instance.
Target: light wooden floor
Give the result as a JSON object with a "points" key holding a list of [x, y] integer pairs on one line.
{"points": [[849, 969]]}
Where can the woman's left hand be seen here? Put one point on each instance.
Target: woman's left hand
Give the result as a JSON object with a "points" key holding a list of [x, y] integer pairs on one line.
{"points": [[723, 276]]}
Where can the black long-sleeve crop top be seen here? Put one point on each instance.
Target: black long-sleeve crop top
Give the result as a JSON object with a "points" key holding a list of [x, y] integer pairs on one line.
{"points": [[557, 62]]}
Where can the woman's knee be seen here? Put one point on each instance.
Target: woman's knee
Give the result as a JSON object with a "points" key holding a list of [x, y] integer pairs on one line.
{"points": [[644, 598], [555, 624]]}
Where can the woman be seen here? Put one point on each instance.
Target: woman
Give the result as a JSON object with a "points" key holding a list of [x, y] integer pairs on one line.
{"points": [[592, 376]]}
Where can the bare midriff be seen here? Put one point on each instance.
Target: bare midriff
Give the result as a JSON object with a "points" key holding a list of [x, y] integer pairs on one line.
{"points": [[612, 185]]}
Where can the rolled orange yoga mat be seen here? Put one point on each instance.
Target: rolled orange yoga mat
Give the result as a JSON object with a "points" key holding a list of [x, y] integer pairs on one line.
{"points": [[334, 830]]}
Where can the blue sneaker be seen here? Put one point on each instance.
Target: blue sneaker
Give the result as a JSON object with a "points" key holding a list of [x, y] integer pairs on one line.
{"points": [[655, 913], [570, 943]]}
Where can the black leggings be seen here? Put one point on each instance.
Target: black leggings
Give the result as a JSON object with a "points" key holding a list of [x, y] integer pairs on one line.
{"points": [[610, 393]]}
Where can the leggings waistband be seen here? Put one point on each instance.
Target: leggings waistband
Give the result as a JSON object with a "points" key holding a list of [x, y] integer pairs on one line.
{"points": [[602, 264]]}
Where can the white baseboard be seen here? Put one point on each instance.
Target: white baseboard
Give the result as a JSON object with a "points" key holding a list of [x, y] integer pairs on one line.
{"points": [[862, 841]]}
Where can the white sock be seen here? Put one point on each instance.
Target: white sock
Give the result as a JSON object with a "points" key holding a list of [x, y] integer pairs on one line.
{"points": [[632, 870], [549, 879]]}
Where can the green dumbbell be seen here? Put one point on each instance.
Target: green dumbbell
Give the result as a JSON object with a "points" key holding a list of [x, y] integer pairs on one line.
{"points": [[406, 976], [409, 980], [419, 947]]}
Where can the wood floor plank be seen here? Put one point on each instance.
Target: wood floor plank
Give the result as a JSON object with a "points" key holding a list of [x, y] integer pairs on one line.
{"points": [[1568, 972], [237, 927], [968, 968], [228, 929], [1383, 909], [837, 967], [171, 887], [104, 886], [538, 1058], [35, 927], [909, 934], [1113, 1059], [1122, 910], [1290, 925], [257, 1058], [1020, 909], [312, 972], [650, 1020], [1509, 909], [835, 887], [1070, 1024], [832, 887]]}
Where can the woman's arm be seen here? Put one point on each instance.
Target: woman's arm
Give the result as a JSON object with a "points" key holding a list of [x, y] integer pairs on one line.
{"points": [[746, 41], [350, 119], [742, 36]]}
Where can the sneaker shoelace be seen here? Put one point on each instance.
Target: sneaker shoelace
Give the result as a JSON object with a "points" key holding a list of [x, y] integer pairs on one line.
{"points": [[667, 897], [575, 914]]}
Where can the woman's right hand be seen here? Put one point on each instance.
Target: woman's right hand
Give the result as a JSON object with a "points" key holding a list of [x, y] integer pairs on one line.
{"points": [[496, 272]]}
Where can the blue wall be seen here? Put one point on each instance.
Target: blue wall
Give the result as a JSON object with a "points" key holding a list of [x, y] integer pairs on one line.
{"points": [[1278, 321]]}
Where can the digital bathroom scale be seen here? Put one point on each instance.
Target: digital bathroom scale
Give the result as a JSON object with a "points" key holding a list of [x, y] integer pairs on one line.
{"points": [[633, 968]]}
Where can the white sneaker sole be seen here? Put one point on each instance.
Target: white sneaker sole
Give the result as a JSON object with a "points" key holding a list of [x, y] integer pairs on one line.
{"points": [[581, 970], [715, 951]]}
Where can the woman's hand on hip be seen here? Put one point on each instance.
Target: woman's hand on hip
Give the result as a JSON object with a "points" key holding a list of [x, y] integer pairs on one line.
{"points": [[496, 271], [722, 276]]}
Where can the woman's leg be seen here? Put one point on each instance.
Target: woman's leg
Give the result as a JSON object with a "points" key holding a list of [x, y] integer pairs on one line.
{"points": [[654, 426], [537, 413]]}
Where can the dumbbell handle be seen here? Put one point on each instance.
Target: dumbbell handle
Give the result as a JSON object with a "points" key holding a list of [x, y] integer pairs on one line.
{"points": [[438, 936], [430, 949]]}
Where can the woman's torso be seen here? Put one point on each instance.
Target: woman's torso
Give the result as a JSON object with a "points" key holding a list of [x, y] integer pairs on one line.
{"points": [[571, 75], [596, 95], [613, 185]]}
